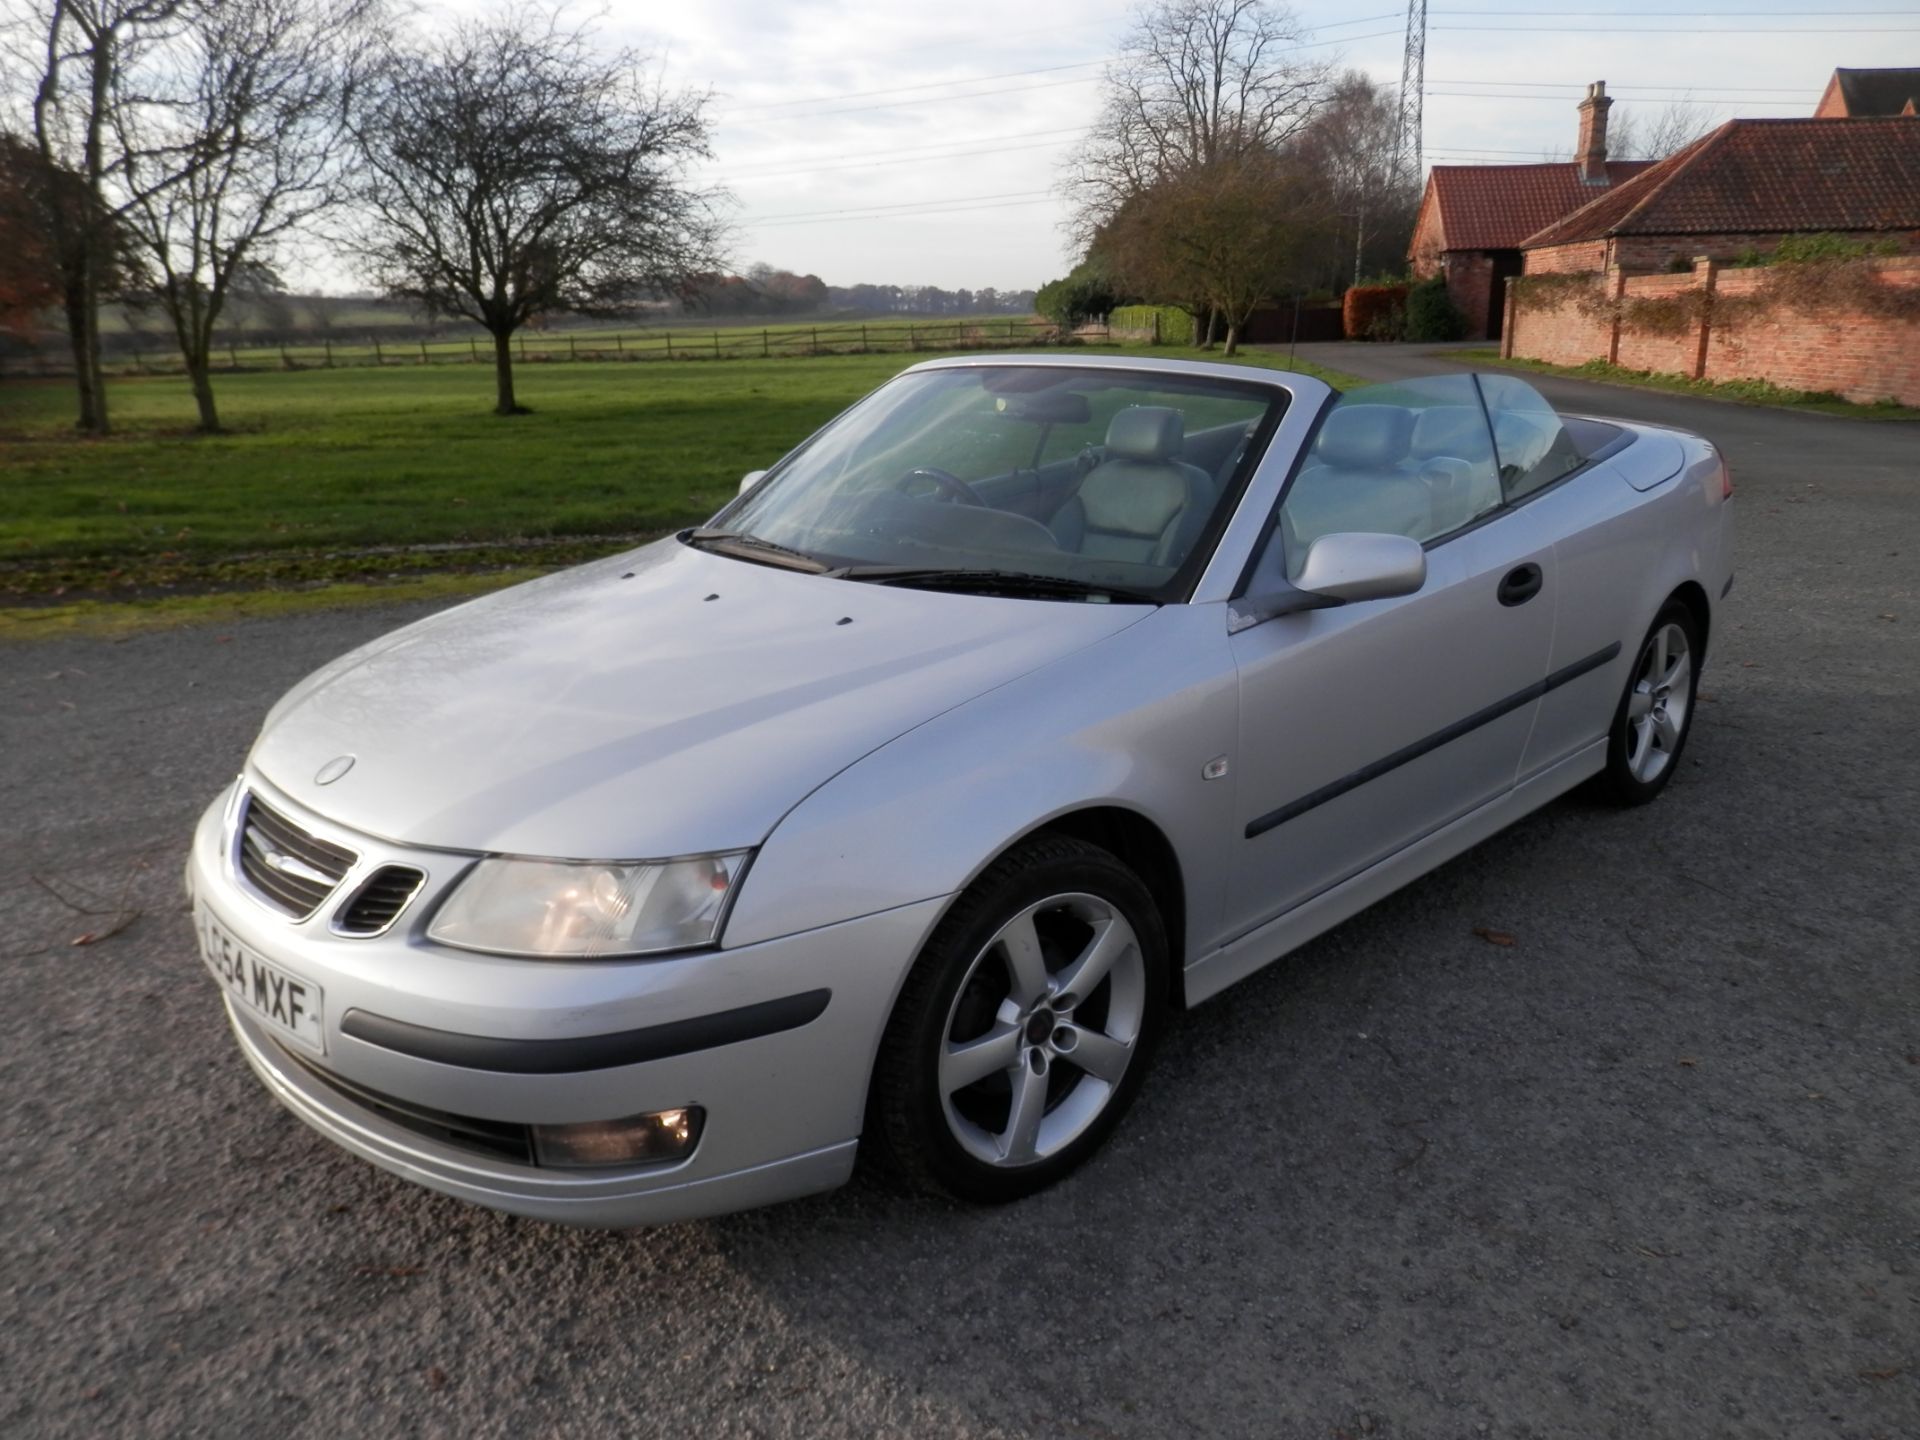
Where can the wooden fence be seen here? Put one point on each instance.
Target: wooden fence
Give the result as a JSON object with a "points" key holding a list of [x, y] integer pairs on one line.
{"points": [[541, 347]]}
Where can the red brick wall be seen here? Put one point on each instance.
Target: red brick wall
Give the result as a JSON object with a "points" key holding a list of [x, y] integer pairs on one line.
{"points": [[1581, 255], [1863, 357], [1549, 325], [1644, 350]]}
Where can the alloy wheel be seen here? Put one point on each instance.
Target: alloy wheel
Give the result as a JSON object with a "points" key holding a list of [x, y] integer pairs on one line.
{"points": [[1042, 1030], [1658, 703]]}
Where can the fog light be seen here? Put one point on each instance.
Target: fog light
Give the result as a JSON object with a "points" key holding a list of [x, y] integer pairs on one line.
{"points": [[638, 1140]]}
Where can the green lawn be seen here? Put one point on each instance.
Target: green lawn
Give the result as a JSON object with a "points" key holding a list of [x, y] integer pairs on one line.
{"points": [[324, 466]]}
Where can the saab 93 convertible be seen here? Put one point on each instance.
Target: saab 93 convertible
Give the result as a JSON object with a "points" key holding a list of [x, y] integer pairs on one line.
{"points": [[894, 809]]}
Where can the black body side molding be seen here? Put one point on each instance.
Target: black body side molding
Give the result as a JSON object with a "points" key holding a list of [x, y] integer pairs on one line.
{"points": [[587, 1052], [1293, 809]]}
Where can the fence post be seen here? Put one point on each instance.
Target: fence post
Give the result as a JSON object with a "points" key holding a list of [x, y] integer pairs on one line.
{"points": [[816, 339], [326, 343], [669, 344], [573, 350], [765, 348], [233, 356], [523, 349], [473, 349], [913, 340], [423, 352], [1156, 322], [863, 338], [618, 348], [716, 344], [378, 358], [286, 360]]}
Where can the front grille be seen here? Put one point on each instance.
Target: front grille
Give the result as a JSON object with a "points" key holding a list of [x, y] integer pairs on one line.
{"points": [[378, 903], [289, 868], [498, 1138]]}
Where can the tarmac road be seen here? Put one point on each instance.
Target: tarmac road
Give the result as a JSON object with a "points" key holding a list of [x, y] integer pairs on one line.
{"points": [[1648, 1171]]}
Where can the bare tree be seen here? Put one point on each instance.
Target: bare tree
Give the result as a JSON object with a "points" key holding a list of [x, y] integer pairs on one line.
{"points": [[1199, 83], [513, 170], [1351, 140], [1675, 127], [79, 51], [1225, 237], [232, 145]]}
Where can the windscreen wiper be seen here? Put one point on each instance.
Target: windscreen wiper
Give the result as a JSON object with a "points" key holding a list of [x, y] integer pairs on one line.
{"points": [[1002, 582], [752, 547]]}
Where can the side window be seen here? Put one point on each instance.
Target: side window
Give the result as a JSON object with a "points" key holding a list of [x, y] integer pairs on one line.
{"points": [[1411, 458], [1534, 447]]}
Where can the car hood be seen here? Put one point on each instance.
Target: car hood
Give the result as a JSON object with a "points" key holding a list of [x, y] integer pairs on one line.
{"points": [[666, 702]]}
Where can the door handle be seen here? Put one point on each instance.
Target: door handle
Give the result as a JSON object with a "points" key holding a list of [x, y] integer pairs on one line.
{"points": [[1521, 585]]}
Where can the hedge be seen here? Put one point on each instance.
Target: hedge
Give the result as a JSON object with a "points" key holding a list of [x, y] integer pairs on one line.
{"points": [[1374, 312]]}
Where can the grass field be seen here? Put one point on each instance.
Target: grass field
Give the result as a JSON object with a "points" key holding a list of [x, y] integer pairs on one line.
{"points": [[343, 476]]}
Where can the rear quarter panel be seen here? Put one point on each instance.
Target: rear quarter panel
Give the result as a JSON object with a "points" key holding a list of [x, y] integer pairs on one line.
{"points": [[1630, 532]]}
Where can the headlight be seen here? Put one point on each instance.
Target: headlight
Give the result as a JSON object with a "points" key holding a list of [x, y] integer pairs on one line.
{"points": [[583, 910]]}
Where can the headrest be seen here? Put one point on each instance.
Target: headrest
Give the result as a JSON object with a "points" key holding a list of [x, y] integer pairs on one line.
{"points": [[1365, 437], [1145, 432], [1129, 498], [1456, 430]]}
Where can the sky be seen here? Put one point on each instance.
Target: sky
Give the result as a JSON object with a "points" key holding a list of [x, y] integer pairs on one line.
{"points": [[921, 143]]}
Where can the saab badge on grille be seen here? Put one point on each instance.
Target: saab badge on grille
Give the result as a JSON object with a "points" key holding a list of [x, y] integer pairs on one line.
{"points": [[333, 769]]}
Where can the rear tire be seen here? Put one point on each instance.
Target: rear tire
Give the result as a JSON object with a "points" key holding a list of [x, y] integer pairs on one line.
{"points": [[1025, 1027], [1655, 714]]}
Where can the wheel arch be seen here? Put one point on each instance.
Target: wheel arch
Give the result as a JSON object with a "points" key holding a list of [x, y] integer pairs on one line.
{"points": [[1693, 595], [1143, 847]]}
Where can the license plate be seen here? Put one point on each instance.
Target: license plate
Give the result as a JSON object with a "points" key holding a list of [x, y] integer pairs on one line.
{"points": [[268, 993]]}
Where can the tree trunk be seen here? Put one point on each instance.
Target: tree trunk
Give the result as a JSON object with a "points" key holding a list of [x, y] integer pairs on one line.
{"points": [[96, 380], [199, 374], [1233, 340], [503, 373], [1213, 324], [83, 372]]}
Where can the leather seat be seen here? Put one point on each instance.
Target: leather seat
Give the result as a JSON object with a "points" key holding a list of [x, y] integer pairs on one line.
{"points": [[1140, 503]]}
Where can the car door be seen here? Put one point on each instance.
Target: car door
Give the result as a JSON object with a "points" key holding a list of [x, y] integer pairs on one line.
{"points": [[1367, 726]]}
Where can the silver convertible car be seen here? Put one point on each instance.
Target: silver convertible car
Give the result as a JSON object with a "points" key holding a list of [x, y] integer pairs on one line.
{"points": [[894, 809]]}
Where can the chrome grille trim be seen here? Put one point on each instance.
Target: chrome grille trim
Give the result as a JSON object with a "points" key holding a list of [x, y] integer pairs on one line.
{"points": [[379, 901], [284, 865]]}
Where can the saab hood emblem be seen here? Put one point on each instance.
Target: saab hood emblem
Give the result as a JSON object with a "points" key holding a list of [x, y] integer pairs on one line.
{"points": [[333, 769]]}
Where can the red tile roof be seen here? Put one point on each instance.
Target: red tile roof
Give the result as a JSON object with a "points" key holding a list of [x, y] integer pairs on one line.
{"points": [[1765, 177], [1496, 207]]}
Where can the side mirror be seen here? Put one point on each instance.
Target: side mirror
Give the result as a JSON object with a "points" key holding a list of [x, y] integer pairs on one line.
{"points": [[1340, 569], [750, 479]]}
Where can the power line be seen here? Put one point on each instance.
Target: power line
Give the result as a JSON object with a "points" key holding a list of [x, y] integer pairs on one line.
{"points": [[920, 150], [928, 85], [904, 205], [729, 176], [853, 218], [1719, 30]]}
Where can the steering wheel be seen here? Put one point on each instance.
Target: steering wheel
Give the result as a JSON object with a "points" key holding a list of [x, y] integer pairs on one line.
{"points": [[949, 484]]}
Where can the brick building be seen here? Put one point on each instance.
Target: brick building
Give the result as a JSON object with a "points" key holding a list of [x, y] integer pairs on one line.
{"points": [[1745, 187], [1474, 218], [1855, 94]]}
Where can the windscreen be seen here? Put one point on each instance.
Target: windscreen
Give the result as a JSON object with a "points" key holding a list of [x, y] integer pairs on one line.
{"points": [[1095, 476]]}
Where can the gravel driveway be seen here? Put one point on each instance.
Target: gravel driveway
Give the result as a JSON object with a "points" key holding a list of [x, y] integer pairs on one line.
{"points": [[1648, 1170]]}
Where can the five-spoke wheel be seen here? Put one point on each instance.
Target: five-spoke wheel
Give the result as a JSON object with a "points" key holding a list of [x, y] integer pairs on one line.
{"points": [[1024, 1028], [1650, 726]]}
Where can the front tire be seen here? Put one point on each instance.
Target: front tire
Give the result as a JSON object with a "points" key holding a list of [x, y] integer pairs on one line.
{"points": [[1025, 1027], [1651, 724]]}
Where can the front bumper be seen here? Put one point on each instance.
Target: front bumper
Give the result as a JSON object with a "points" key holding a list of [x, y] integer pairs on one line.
{"points": [[783, 1109]]}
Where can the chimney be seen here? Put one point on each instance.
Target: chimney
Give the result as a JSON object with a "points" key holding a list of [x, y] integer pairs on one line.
{"points": [[1591, 154]]}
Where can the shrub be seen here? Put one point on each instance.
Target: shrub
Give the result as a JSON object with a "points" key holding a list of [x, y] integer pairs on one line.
{"points": [[1431, 313], [1374, 312]]}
